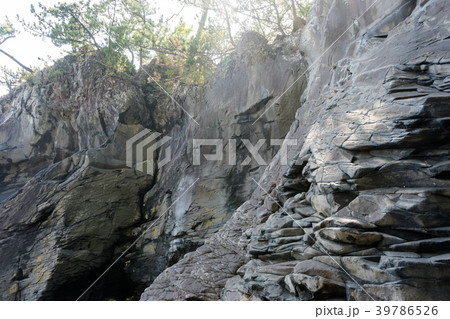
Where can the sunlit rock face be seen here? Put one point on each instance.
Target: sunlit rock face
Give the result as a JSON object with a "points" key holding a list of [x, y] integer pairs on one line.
{"points": [[67, 200], [364, 213], [248, 82], [69, 204], [64, 109], [359, 213]]}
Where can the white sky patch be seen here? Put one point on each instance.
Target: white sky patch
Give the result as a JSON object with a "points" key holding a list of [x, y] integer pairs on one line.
{"points": [[34, 51], [25, 47]]}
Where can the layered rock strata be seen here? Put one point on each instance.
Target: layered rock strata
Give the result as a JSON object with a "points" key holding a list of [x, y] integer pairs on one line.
{"points": [[363, 212]]}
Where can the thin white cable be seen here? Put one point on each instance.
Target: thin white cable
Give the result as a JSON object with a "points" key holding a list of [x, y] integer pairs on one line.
{"points": [[134, 242], [315, 61]]}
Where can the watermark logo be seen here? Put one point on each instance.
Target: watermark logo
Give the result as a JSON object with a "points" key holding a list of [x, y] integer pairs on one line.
{"points": [[141, 151], [141, 148], [252, 149]]}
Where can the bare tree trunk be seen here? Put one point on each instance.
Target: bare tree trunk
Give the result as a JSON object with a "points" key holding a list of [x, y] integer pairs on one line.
{"points": [[132, 55], [113, 20], [202, 22], [141, 50], [280, 27], [258, 19], [18, 62], [89, 33], [228, 25], [201, 26], [294, 10]]}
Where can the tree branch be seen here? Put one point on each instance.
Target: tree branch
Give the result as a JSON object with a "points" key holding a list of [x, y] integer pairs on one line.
{"points": [[8, 37], [86, 29], [278, 18], [15, 60], [228, 25]]}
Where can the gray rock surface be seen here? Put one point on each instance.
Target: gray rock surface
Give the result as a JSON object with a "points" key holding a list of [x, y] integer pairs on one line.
{"points": [[252, 79], [61, 222], [75, 216], [370, 189], [359, 212]]}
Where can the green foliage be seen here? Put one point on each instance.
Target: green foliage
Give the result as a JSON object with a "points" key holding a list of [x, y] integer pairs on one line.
{"points": [[303, 8], [129, 34], [11, 78], [272, 17], [84, 27], [120, 28], [7, 31]]}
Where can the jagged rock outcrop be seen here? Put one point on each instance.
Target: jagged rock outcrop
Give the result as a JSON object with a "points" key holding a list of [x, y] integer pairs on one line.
{"points": [[64, 109], [225, 108], [70, 205], [360, 212], [363, 212], [59, 229]]}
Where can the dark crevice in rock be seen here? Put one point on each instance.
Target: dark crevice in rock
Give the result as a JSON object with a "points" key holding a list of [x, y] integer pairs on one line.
{"points": [[115, 285], [443, 175]]}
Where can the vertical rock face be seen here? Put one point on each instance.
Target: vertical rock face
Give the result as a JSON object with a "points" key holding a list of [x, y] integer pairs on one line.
{"points": [[252, 79], [70, 206], [57, 233], [364, 212], [58, 227], [360, 213], [64, 109]]}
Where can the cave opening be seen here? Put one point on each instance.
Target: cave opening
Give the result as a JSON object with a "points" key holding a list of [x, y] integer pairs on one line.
{"points": [[114, 285]]}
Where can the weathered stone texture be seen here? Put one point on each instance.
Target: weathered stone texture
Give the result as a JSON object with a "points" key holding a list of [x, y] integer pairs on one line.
{"points": [[359, 213], [370, 194]]}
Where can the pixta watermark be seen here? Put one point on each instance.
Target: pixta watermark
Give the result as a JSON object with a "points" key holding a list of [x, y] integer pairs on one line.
{"points": [[141, 148], [141, 151]]}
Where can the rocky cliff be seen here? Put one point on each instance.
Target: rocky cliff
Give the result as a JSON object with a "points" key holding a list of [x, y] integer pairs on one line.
{"points": [[359, 213]]}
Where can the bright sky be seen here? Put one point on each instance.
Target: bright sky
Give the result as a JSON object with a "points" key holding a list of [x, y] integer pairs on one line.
{"points": [[30, 50], [25, 47]]}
